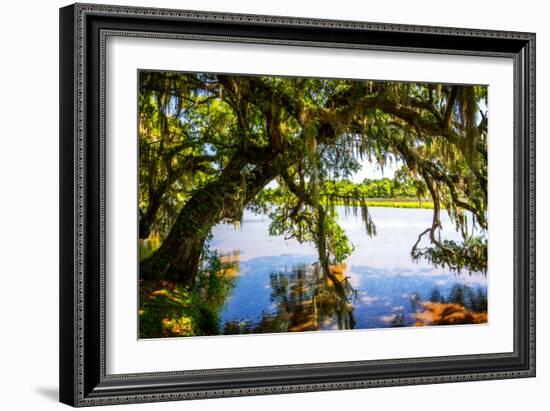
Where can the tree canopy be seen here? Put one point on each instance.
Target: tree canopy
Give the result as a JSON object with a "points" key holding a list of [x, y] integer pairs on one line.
{"points": [[210, 143]]}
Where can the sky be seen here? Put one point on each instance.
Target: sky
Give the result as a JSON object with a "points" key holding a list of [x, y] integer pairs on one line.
{"points": [[368, 170], [373, 171]]}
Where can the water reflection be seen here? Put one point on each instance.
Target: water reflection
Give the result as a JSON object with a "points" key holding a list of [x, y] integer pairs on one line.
{"points": [[277, 286], [463, 305], [302, 299], [296, 297]]}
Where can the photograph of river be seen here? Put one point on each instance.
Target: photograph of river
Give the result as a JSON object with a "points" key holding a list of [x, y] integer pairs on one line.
{"points": [[280, 204], [275, 278]]}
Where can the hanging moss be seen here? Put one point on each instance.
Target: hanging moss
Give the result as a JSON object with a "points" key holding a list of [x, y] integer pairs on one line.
{"points": [[210, 143]]}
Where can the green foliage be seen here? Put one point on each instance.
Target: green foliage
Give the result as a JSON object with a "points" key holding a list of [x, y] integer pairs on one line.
{"points": [[403, 198], [169, 309], [470, 255], [400, 203], [237, 133], [339, 246], [211, 285]]}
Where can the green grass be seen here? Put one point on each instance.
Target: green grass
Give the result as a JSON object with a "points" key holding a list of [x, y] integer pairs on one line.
{"points": [[399, 203], [167, 309], [395, 203]]}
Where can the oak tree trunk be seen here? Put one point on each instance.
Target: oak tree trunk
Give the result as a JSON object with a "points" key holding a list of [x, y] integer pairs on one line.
{"points": [[178, 257]]}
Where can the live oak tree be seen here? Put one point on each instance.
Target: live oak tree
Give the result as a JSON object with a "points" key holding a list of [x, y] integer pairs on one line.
{"points": [[209, 144]]}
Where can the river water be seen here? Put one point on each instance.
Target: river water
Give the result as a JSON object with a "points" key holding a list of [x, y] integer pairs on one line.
{"points": [[275, 280]]}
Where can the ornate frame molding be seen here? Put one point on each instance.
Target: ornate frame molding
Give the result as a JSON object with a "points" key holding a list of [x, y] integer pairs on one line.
{"points": [[83, 41]]}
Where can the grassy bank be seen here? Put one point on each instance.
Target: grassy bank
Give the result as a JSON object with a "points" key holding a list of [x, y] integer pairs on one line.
{"points": [[167, 309], [395, 203]]}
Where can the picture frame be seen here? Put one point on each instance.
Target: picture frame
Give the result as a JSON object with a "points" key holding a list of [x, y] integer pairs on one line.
{"points": [[84, 380]]}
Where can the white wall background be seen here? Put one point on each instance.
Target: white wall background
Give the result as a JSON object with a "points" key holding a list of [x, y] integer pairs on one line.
{"points": [[29, 204]]}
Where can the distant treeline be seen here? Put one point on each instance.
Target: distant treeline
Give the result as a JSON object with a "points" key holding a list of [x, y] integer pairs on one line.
{"points": [[384, 188], [379, 188]]}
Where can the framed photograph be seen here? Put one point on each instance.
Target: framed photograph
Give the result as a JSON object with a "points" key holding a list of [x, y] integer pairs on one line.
{"points": [[261, 204]]}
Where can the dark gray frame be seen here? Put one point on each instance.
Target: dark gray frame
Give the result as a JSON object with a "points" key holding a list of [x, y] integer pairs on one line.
{"points": [[83, 32]]}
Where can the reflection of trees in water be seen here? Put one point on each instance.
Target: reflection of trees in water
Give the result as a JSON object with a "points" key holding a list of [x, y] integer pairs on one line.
{"points": [[463, 294], [304, 300], [398, 320], [463, 305], [216, 277]]}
